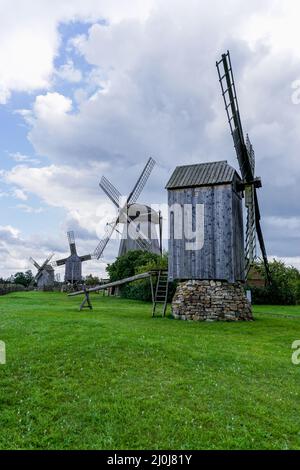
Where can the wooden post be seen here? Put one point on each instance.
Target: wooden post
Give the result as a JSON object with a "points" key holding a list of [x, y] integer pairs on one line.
{"points": [[160, 233], [86, 300]]}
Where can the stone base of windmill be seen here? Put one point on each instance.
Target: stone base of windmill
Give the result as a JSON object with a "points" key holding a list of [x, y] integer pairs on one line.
{"points": [[211, 301]]}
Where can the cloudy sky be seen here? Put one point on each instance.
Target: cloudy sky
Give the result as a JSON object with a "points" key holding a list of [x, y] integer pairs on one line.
{"points": [[93, 87]]}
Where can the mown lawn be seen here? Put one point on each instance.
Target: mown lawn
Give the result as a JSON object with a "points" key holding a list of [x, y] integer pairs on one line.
{"points": [[118, 379]]}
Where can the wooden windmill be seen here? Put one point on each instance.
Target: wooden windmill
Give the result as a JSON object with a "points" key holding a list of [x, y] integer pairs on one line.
{"points": [[139, 221], [206, 197], [73, 264], [208, 252], [219, 190], [45, 273], [246, 159]]}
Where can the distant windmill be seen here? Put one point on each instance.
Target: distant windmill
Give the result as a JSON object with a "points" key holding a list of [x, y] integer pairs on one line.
{"points": [[45, 273], [73, 271], [246, 159], [139, 218]]}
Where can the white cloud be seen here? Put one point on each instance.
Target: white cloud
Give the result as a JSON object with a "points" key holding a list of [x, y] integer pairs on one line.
{"points": [[29, 209], [9, 233], [69, 73], [51, 106], [20, 194], [30, 39], [73, 189], [20, 158]]}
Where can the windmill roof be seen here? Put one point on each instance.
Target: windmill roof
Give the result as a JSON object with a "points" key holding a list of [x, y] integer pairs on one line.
{"points": [[202, 174], [48, 268]]}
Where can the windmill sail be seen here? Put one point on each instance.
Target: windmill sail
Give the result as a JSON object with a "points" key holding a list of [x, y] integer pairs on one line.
{"points": [[250, 251], [246, 159], [141, 182], [110, 190], [115, 196], [109, 230], [72, 244], [36, 265], [45, 273], [73, 269]]}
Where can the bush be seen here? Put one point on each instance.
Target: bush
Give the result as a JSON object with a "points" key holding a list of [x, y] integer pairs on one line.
{"points": [[285, 286], [137, 262], [24, 279], [133, 262], [92, 281]]}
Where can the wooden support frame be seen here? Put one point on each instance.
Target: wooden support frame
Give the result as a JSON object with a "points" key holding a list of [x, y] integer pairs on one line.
{"points": [[86, 300], [86, 303]]}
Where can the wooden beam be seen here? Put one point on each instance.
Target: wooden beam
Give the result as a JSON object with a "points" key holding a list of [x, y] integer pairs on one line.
{"points": [[112, 284]]}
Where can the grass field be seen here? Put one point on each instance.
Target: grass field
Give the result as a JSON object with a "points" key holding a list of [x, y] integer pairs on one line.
{"points": [[118, 379]]}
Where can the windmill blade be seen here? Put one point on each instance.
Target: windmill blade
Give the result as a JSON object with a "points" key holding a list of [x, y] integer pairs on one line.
{"points": [[59, 262], [72, 244], [42, 266], [141, 182], [85, 257], [36, 265], [142, 239], [109, 230], [246, 159], [47, 261], [251, 154], [253, 227], [115, 195], [250, 245], [261, 239], [110, 190], [229, 94], [127, 216]]}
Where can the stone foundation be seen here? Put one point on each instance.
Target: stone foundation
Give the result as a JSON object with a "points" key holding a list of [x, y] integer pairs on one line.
{"points": [[211, 301]]}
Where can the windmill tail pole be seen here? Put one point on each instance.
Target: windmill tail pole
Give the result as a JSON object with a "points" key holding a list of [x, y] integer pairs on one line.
{"points": [[112, 284]]}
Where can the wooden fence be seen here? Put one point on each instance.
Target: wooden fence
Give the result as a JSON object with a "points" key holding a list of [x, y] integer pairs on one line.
{"points": [[8, 288]]}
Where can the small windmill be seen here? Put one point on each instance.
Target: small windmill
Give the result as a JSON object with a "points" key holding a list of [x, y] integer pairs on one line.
{"points": [[73, 271], [138, 220], [45, 273], [246, 159]]}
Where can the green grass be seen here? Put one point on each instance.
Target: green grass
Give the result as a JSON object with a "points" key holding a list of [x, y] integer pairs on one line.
{"points": [[118, 379]]}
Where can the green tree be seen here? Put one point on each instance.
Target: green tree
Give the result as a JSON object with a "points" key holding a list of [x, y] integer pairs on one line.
{"points": [[91, 280], [137, 262], [24, 279], [285, 286], [130, 264]]}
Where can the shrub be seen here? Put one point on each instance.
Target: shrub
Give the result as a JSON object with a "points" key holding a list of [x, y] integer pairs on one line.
{"points": [[285, 286], [92, 281], [137, 262], [24, 279]]}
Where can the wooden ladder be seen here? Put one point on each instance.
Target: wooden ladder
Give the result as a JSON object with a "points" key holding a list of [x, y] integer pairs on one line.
{"points": [[161, 292]]}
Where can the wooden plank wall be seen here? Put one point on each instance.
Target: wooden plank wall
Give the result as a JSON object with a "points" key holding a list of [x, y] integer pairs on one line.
{"points": [[220, 258], [73, 269]]}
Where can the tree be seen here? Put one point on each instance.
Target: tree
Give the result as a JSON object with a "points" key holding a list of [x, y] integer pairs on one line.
{"points": [[130, 263], [24, 279], [91, 280], [285, 286], [137, 262]]}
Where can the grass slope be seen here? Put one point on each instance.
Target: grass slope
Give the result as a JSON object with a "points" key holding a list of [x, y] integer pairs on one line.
{"points": [[118, 379]]}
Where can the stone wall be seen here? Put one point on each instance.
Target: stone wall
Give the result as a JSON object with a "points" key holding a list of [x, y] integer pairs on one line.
{"points": [[211, 301]]}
